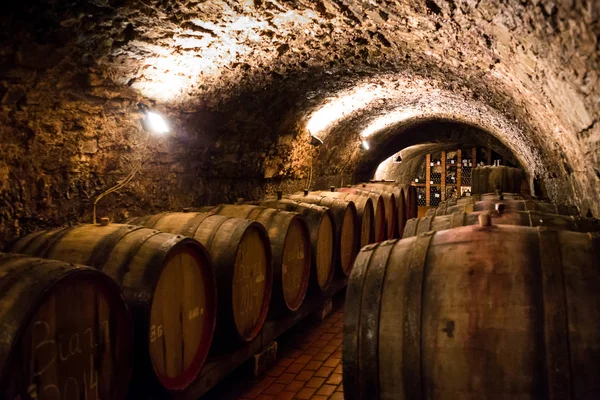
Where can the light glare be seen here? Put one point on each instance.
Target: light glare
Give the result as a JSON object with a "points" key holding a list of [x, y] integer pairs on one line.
{"points": [[365, 145], [343, 106], [387, 120], [156, 123]]}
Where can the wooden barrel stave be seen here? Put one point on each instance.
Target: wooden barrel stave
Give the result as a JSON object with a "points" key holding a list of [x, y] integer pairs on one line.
{"points": [[290, 246], [385, 212], [346, 224], [50, 307], [321, 225], [479, 326], [138, 259], [365, 212], [230, 242]]}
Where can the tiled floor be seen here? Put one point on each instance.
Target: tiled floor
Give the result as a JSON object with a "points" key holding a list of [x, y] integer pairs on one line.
{"points": [[309, 366]]}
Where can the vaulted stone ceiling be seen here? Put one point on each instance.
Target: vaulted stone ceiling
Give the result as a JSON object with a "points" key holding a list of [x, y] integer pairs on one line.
{"points": [[243, 83]]}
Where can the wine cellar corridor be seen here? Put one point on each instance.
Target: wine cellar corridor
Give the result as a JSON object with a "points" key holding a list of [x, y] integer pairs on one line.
{"points": [[300, 199]]}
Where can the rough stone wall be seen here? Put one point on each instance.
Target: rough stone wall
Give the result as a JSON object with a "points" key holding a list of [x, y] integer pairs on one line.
{"points": [[238, 81]]}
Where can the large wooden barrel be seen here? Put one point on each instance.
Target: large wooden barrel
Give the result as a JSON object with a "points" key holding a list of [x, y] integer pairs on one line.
{"points": [[402, 212], [167, 281], [470, 204], [391, 198], [385, 215], [290, 246], [412, 206], [242, 262], [417, 226], [65, 332], [365, 211], [321, 226], [499, 312], [488, 179], [346, 225]]}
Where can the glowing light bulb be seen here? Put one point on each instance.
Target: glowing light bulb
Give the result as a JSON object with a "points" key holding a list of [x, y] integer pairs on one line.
{"points": [[365, 145], [156, 123]]}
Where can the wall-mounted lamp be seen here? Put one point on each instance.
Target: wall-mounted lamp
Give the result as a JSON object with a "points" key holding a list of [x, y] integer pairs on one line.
{"points": [[397, 159], [365, 145], [315, 141], [152, 123]]}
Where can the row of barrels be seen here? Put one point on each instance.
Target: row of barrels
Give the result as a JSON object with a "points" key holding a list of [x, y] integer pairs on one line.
{"points": [[183, 278], [489, 297]]}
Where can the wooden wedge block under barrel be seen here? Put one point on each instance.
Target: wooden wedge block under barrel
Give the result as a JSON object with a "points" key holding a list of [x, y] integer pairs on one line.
{"points": [[321, 226], [290, 246], [476, 312], [488, 179], [418, 226], [168, 283], [65, 332], [470, 204], [242, 262], [365, 211], [384, 227], [346, 225]]}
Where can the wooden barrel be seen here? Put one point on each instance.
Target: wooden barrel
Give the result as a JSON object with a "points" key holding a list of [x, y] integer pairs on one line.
{"points": [[402, 212], [499, 312], [242, 263], [346, 225], [290, 246], [391, 199], [167, 281], [417, 226], [488, 179], [412, 207], [65, 332], [385, 212], [321, 226], [365, 211], [471, 204]]}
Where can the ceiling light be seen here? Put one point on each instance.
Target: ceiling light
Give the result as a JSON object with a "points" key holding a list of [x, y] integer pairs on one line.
{"points": [[365, 145]]}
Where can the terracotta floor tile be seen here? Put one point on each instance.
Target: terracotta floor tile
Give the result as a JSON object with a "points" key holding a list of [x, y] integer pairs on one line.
{"points": [[303, 359], [304, 376], [286, 377], [305, 393], [313, 366], [315, 382], [326, 390], [324, 372], [285, 396], [294, 368], [332, 362], [285, 362], [294, 386], [335, 379], [320, 357], [275, 371]]}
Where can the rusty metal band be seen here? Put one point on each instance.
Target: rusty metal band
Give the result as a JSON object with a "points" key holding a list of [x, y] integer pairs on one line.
{"points": [[101, 252], [124, 267], [153, 220], [46, 247], [192, 226], [424, 225]]}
